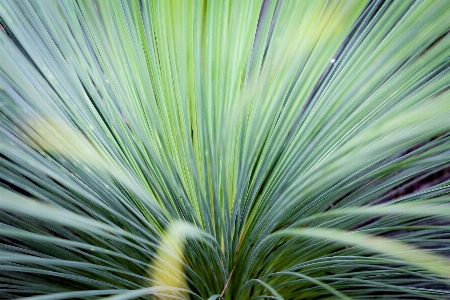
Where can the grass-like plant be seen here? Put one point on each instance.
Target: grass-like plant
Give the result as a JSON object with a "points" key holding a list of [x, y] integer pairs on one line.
{"points": [[224, 149]]}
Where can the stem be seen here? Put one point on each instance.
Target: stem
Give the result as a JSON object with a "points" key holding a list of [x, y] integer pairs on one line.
{"points": [[228, 280]]}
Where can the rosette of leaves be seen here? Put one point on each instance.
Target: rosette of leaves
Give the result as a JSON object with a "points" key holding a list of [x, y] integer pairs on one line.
{"points": [[224, 149]]}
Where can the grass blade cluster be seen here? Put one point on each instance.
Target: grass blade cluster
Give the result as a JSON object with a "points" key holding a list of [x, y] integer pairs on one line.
{"points": [[224, 149]]}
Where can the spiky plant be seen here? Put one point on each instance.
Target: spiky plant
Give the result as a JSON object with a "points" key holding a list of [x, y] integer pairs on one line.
{"points": [[224, 149]]}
